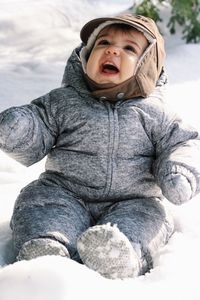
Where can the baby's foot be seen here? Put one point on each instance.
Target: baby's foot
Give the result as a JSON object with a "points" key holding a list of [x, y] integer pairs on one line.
{"points": [[41, 247], [105, 249]]}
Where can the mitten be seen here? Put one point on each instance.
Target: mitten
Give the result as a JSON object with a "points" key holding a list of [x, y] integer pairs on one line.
{"points": [[178, 185]]}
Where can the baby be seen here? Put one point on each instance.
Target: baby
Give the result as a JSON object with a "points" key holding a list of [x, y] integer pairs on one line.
{"points": [[114, 151]]}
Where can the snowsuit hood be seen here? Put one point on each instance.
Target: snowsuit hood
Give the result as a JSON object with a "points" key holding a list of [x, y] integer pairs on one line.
{"points": [[149, 67]]}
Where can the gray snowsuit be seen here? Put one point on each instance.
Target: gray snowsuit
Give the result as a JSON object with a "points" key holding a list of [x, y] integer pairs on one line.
{"points": [[106, 162]]}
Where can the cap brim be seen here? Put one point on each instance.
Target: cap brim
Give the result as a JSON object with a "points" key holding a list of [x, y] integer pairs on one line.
{"points": [[89, 27]]}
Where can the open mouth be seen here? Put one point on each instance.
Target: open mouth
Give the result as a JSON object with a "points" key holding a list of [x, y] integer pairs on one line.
{"points": [[109, 68]]}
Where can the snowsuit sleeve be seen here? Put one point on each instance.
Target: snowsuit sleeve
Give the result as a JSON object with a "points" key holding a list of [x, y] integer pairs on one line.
{"points": [[177, 163], [28, 132]]}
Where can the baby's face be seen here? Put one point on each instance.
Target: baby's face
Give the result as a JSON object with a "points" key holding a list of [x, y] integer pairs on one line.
{"points": [[115, 55]]}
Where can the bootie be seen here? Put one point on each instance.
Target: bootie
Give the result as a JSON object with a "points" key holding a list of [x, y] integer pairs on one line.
{"points": [[105, 249], [41, 247]]}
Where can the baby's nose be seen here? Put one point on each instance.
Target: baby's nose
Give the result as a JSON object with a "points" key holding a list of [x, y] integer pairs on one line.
{"points": [[113, 50]]}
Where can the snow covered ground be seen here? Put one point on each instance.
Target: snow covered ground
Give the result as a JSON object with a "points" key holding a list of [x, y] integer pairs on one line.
{"points": [[36, 37]]}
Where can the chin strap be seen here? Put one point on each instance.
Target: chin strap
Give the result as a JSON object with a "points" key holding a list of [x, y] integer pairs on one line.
{"points": [[112, 92]]}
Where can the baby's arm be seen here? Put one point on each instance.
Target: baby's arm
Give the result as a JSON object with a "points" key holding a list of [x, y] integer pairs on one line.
{"points": [[27, 133], [177, 164]]}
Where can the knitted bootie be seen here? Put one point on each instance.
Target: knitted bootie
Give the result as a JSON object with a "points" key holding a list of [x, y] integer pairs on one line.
{"points": [[105, 249], [41, 247]]}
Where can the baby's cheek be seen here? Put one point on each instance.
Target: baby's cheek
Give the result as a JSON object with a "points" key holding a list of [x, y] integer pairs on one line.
{"points": [[129, 67]]}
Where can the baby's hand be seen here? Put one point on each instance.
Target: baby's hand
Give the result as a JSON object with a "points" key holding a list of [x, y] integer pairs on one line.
{"points": [[179, 185]]}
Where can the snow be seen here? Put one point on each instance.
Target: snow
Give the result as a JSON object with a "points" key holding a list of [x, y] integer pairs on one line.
{"points": [[36, 37]]}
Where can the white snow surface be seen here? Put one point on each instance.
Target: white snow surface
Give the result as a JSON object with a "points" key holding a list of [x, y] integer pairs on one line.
{"points": [[36, 38]]}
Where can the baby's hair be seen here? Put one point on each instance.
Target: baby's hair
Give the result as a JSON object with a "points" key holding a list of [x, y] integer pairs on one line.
{"points": [[121, 26]]}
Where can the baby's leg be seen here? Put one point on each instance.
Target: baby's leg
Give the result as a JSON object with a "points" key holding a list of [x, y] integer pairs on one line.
{"points": [[143, 226], [47, 220]]}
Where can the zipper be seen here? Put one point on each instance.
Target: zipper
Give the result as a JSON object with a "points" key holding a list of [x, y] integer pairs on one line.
{"points": [[113, 145]]}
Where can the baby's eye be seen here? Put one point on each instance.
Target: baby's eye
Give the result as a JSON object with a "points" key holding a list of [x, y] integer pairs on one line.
{"points": [[103, 42], [130, 48]]}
